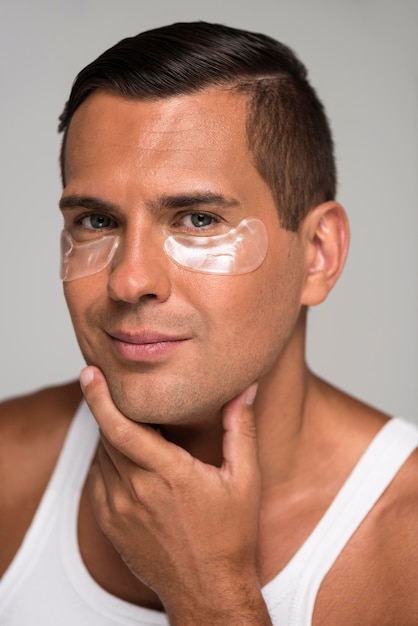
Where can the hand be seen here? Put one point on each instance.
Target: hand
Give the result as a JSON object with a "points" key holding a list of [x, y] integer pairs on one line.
{"points": [[186, 529]]}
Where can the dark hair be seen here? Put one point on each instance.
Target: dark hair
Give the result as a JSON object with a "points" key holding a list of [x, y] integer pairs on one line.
{"points": [[287, 129]]}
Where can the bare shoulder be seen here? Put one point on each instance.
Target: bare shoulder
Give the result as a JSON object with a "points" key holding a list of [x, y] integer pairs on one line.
{"points": [[37, 420], [375, 578], [32, 431], [395, 547], [60, 398]]}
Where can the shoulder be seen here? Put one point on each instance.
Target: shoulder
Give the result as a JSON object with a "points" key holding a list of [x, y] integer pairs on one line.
{"points": [[25, 420], [32, 431], [395, 523], [391, 547], [375, 578], [33, 428]]}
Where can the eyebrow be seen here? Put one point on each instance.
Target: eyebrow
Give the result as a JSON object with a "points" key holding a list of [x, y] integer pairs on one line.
{"points": [[183, 201], [174, 202], [86, 202]]}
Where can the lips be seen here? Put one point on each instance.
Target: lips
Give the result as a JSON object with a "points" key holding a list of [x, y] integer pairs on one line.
{"points": [[144, 345]]}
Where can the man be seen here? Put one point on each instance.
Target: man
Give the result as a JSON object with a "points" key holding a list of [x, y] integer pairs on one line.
{"points": [[229, 485]]}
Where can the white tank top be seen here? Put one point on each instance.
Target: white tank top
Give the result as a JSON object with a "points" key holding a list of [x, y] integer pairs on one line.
{"points": [[47, 583]]}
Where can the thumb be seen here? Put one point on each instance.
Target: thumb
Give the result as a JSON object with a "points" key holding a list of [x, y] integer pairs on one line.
{"points": [[97, 395], [239, 441], [94, 386]]}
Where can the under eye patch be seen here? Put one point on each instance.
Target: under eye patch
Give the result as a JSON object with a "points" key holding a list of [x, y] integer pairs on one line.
{"points": [[239, 251]]}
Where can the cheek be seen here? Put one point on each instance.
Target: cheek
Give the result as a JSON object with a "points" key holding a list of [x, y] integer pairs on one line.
{"points": [[75, 297], [252, 315], [83, 296], [267, 322]]}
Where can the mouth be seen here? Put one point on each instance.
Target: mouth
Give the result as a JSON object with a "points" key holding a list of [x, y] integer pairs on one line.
{"points": [[146, 345]]}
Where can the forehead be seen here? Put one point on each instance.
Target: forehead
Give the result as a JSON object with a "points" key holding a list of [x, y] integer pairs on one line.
{"points": [[132, 151], [200, 122], [203, 130]]}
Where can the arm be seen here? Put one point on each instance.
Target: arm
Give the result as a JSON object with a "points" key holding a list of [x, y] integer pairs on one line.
{"points": [[186, 529]]}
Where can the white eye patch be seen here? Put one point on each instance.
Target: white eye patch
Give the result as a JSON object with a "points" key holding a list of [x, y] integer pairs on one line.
{"points": [[86, 258], [239, 251]]}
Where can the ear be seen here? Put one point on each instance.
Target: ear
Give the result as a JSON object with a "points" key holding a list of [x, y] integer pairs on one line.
{"points": [[325, 232]]}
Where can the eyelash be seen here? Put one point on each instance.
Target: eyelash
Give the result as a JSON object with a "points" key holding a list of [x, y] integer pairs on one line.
{"points": [[178, 221], [90, 216], [214, 220]]}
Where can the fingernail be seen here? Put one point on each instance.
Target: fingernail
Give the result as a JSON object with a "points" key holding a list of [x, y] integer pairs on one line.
{"points": [[86, 376], [251, 393]]}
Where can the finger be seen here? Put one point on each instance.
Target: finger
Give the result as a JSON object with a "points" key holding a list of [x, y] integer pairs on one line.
{"points": [[104, 483], [111, 462], [140, 443], [239, 443], [96, 483], [117, 469], [108, 454]]}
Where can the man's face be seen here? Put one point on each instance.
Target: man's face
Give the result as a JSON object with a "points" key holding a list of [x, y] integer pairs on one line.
{"points": [[174, 344]]}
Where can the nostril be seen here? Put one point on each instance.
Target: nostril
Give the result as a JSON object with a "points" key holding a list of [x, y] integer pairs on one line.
{"points": [[131, 282]]}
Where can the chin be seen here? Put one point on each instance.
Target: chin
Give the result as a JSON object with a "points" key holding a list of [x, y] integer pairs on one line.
{"points": [[170, 404]]}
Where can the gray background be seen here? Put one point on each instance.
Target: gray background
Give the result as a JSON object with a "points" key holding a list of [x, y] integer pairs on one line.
{"points": [[363, 59]]}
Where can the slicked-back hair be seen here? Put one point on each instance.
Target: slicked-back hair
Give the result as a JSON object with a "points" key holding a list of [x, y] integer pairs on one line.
{"points": [[287, 129]]}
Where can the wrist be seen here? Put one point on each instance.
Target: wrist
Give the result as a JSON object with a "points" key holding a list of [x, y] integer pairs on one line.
{"points": [[240, 603]]}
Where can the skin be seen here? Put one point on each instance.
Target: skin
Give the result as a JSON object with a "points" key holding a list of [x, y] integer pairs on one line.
{"points": [[135, 163], [193, 518]]}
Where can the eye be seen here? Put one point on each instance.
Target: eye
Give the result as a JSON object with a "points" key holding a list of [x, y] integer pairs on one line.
{"points": [[97, 222], [198, 220], [201, 219]]}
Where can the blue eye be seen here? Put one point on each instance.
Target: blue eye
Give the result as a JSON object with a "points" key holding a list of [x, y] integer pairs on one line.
{"points": [[201, 219], [97, 222]]}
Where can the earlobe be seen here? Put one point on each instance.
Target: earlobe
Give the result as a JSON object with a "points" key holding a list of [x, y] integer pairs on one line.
{"points": [[326, 235]]}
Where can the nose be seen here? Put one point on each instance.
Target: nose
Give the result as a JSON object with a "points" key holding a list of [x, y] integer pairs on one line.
{"points": [[139, 270]]}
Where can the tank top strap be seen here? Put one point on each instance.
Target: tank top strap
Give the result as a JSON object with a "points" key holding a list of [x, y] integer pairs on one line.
{"points": [[301, 578], [70, 471]]}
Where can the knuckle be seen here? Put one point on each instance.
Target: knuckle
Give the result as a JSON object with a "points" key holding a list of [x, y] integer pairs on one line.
{"points": [[120, 505], [119, 433], [248, 426]]}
